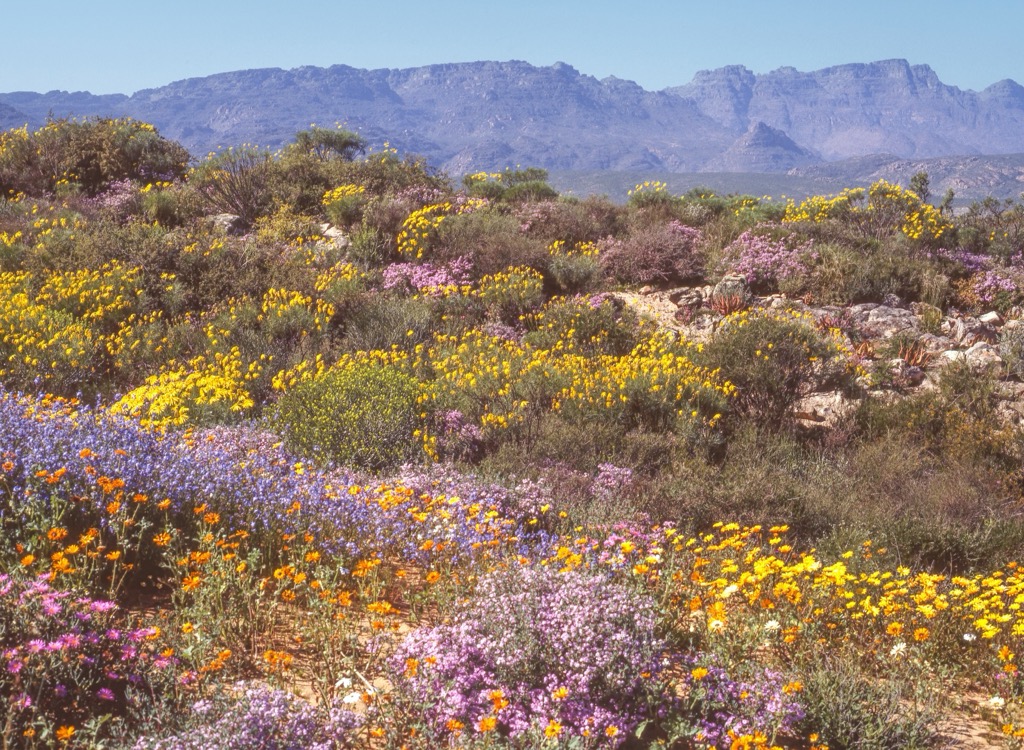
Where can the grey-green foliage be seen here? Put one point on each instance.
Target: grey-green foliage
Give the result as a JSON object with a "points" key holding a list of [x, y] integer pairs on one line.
{"points": [[361, 415], [854, 709]]}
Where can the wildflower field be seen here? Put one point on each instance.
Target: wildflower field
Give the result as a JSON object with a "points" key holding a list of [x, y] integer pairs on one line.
{"points": [[321, 449]]}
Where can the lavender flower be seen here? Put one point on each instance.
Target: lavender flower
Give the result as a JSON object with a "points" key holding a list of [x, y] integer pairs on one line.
{"points": [[535, 645], [762, 260]]}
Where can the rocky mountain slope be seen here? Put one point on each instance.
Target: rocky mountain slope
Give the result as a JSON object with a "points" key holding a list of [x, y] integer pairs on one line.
{"points": [[489, 115]]}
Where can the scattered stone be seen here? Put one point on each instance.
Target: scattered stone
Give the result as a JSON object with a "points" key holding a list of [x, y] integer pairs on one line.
{"points": [[991, 318], [933, 343], [732, 286], [883, 321], [230, 223], [335, 236], [824, 409], [984, 356], [686, 297]]}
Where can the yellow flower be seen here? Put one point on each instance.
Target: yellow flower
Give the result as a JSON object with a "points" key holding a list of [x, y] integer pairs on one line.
{"points": [[553, 729]]}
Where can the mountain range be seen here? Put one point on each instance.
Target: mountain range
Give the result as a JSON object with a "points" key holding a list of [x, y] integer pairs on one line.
{"points": [[824, 124]]}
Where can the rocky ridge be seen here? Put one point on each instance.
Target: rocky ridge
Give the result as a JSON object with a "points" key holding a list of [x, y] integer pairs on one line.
{"points": [[906, 348], [490, 115]]}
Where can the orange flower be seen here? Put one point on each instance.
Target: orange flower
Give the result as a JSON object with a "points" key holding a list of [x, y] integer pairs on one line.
{"points": [[411, 667], [487, 724], [498, 700], [65, 733], [162, 539], [191, 581], [55, 534], [433, 577], [921, 634]]}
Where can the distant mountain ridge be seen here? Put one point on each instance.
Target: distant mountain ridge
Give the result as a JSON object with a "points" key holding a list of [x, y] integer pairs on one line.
{"points": [[488, 115]]}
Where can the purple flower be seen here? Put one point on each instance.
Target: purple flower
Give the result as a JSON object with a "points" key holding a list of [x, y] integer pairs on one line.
{"points": [[763, 260]]}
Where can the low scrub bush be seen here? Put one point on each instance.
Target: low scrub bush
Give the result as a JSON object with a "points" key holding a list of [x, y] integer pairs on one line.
{"points": [[361, 414], [656, 254], [856, 709], [772, 360]]}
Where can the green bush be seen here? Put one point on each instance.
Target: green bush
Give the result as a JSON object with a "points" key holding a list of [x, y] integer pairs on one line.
{"points": [[87, 155], [359, 414], [773, 359], [236, 181], [491, 240], [575, 274]]}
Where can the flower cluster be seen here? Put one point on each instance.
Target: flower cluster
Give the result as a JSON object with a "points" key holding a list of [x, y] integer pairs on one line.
{"points": [[762, 260], [537, 651], [260, 718], [66, 656]]}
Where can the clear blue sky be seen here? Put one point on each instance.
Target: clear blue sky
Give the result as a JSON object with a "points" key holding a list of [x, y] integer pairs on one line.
{"points": [[116, 46]]}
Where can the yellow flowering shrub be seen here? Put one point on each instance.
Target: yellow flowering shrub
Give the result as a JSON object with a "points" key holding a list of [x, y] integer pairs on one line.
{"points": [[200, 390], [889, 208], [102, 297]]}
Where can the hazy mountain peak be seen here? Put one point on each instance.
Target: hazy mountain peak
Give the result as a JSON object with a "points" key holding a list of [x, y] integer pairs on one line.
{"points": [[492, 114]]}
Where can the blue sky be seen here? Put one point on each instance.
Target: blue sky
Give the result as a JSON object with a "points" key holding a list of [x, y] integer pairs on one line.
{"points": [[116, 46]]}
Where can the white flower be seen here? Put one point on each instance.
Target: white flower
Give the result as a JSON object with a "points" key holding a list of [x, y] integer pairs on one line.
{"points": [[898, 649], [729, 590], [996, 702], [772, 626], [970, 637], [352, 698], [716, 626], [344, 682]]}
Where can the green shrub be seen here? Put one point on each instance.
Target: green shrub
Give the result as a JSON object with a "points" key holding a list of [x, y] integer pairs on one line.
{"points": [[360, 414], [491, 240], [773, 359], [386, 320], [848, 273], [236, 181], [86, 154], [574, 274]]}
